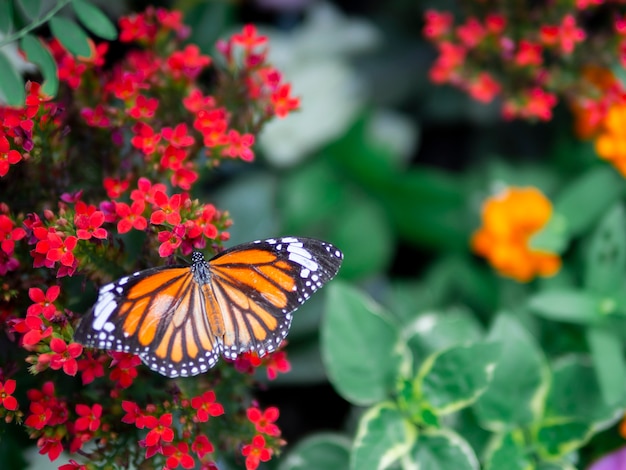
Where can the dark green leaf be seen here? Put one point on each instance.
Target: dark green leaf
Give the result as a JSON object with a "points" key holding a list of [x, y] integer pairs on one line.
{"points": [[71, 36], [31, 8], [578, 208], [383, 437], [359, 345], [608, 358], [40, 55], [6, 17], [521, 376], [606, 256], [439, 449], [455, 378], [94, 20], [324, 450], [568, 305], [11, 84], [558, 438]]}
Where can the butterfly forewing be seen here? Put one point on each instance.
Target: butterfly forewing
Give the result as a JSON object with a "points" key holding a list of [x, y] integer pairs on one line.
{"points": [[179, 319]]}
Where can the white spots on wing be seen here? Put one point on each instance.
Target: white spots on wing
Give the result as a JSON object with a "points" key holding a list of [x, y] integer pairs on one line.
{"points": [[102, 312], [108, 326], [305, 273], [290, 240], [302, 261]]}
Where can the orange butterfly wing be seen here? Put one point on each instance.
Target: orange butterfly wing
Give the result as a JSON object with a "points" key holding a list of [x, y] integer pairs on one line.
{"points": [[179, 319]]}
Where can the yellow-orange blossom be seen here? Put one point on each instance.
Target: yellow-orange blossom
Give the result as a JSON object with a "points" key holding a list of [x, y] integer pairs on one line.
{"points": [[510, 219]]}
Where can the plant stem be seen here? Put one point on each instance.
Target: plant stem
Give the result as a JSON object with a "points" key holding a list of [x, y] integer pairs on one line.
{"points": [[35, 24]]}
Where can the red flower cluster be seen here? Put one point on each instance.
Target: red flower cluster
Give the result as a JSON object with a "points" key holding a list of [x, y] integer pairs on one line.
{"points": [[133, 135], [494, 54]]}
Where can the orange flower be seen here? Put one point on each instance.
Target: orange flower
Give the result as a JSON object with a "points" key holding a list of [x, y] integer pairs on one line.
{"points": [[510, 219], [611, 143]]}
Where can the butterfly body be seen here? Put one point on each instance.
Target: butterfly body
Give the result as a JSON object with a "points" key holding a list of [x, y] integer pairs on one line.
{"points": [[181, 319]]}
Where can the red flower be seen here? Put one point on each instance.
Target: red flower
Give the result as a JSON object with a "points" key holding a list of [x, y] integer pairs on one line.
{"points": [[130, 217], [173, 158], [206, 406], [124, 368], [239, 146], [44, 303], [34, 330], [63, 356], [528, 53], [91, 368], [6, 390], [56, 248], [178, 136], [471, 33], [196, 101], [178, 455], [88, 222], [145, 138], [73, 465], [133, 415], [248, 38], [283, 102], [160, 429], [51, 446], [264, 421], [188, 62], [96, 117], [143, 108], [275, 363], [89, 417], [115, 187], [8, 156], [202, 446], [438, 24], [484, 88], [9, 235], [39, 417], [168, 209], [256, 452]]}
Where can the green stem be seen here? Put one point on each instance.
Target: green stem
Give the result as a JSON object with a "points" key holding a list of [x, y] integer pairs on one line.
{"points": [[35, 24]]}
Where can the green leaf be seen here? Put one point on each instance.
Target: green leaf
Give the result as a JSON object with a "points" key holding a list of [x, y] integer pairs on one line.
{"points": [[579, 209], [516, 394], [441, 449], [71, 36], [324, 450], [383, 437], [94, 20], [570, 305], [6, 17], [11, 84], [553, 237], [508, 451], [359, 346], [608, 358], [454, 378], [437, 330], [40, 55], [567, 399], [31, 8], [606, 256], [557, 438]]}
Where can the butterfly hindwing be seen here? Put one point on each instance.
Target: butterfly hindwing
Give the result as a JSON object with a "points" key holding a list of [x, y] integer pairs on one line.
{"points": [[258, 285], [179, 319]]}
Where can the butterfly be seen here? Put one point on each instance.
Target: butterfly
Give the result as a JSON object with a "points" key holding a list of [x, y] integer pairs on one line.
{"points": [[180, 319]]}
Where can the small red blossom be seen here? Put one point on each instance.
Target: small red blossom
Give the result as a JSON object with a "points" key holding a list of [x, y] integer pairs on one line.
{"points": [[145, 138], [202, 446], [56, 248], [256, 452], [206, 406], [6, 391], [130, 216], [275, 363], [144, 107], [133, 415], [90, 368], [282, 101], [115, 187], [124, 368], [264, 420], [178, 455], [239, 146], [248, 38], [484, 88], [170, 241], [89, 222], [168, 209], [471, 33], [187, 63], [34, 330], [63, 355], [8, 156], [96, 117], [160, 430], [73, 465], [528, 54], [178, 136], [9, 234], [39, 415], [89, 417], [44, 303], [438, 24]]}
